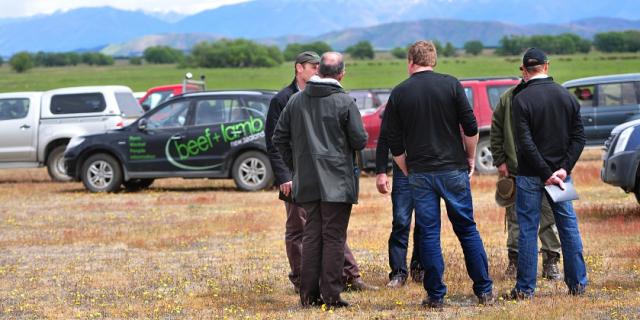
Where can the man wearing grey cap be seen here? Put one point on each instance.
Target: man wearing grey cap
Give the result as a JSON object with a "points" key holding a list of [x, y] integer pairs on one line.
{"points": [[549, 140], [305, 67]]}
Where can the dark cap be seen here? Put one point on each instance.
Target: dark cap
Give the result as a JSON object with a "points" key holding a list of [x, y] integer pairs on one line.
{"points": [[533, 57], [308, 57]]}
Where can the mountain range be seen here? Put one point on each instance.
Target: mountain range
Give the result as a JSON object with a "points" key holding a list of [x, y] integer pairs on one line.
{"points": [[340, 22]]}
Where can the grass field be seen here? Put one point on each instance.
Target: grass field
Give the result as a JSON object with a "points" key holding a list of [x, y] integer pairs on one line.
{"points": [[199, 249], [382, 73]]}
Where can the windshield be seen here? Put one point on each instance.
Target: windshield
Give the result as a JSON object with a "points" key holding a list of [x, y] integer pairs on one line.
{"points": [[128, 105]]}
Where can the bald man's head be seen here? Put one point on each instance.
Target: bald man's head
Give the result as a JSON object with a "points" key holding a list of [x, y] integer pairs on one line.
{"points": [[332, 65]]}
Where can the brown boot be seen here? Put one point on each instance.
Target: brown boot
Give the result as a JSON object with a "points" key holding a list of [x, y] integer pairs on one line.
{"points": [[512, 268], [550, 269]]}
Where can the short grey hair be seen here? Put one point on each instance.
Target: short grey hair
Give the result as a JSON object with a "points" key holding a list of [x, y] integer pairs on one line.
{"points": [[331, 65]]}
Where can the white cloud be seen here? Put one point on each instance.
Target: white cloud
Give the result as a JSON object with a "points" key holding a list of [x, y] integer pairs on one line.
{"points": [[22, 8]]}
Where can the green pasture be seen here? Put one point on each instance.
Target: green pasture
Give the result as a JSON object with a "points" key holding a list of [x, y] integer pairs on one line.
{"points": [[379, 73]]}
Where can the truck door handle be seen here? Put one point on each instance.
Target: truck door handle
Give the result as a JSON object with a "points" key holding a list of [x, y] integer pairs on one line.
{"points": [[177, 137], [25, 127]]}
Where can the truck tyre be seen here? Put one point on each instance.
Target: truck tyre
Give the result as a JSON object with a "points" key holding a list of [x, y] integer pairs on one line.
{"points": [[484, 160], [134, 185], [251, 171], [101, 173], [55, 164]]}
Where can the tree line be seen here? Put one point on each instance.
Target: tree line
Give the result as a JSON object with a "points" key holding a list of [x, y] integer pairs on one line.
{"points": [[23, 61], [246, 53]]}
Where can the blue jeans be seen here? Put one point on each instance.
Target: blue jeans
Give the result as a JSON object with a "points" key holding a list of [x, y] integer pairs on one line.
{"points": [[454, 187], [530, 191], [401, 226]]}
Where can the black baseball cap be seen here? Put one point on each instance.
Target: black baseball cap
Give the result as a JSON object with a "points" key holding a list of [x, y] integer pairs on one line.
{"points": [[308, 57], [533, 57]]}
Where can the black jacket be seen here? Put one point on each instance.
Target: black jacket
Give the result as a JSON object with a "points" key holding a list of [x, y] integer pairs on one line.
{"points": [[424, 115], [549, 132], [278, 102], [317, 135]]}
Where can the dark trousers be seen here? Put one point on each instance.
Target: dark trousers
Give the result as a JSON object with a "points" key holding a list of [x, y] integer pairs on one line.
{"points": [[296, 217], [324, 238], [402, 201]]}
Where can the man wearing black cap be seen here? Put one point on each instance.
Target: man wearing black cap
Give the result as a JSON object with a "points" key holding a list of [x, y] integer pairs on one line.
{"points": [[503, 150], [306, 66], [549, 141]]}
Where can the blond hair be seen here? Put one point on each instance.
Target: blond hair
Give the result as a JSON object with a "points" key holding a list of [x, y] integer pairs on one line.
{"points": [[423, 53]]}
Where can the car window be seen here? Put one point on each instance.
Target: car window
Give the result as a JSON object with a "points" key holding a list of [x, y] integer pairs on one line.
{"points": [[469, 93], [156, 98], [368, 102], [218, 110], [77, 103], [359, 98], [617, 94], [383, 97], [258, 105], [584, 94], [494, 93], [11, 109], [128, 104], [172, 115]]}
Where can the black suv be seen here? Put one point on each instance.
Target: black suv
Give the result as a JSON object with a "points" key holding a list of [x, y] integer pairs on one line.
{"points": [[214, 134]]}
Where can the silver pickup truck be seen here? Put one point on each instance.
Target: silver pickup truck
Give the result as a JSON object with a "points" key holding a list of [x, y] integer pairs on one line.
{"points": [[35, 127]]}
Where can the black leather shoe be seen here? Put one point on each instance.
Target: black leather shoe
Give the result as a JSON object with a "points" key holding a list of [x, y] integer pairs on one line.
{"points": [[437, 304], [515, 295], [338, 304]]}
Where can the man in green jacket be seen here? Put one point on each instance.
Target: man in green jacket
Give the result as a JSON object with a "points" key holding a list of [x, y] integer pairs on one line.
{"points": [[318, 133], [503, 150]]}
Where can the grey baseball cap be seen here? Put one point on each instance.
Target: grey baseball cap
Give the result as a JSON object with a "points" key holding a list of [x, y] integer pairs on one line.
{"points": [[308, 57]]}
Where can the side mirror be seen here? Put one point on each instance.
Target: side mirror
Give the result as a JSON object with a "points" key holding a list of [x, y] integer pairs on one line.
{"points": [[146, 107], [142, 124]]}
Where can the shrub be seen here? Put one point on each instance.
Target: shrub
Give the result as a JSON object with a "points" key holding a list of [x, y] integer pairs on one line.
{"points": [[361, 50], [293, 49], [235, 53], [400, 53], [136, 61], [162, 55], [21, 62], [473, 47]]}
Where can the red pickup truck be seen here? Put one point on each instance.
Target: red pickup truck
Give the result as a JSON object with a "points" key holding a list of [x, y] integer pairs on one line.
{"points": [[483, 95], [160, 94]]}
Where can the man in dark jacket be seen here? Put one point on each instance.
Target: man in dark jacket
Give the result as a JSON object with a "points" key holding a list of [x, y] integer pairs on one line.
{"points": [[425, 113], [317, 136], [306, 66], [549, 141], [503, 150]]}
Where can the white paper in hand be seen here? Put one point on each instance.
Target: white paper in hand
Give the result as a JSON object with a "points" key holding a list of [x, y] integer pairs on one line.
{"points": [[558, 195]]}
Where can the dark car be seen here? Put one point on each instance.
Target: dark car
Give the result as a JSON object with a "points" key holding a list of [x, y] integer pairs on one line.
{"points": [[621, 158], [605, 102], [194, 135]]}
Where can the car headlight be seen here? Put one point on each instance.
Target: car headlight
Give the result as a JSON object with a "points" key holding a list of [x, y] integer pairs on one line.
{"points": [[75, 141], [623, 139]]}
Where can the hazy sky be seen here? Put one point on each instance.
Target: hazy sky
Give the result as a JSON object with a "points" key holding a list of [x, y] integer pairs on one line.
{"points": [[21, 8]]}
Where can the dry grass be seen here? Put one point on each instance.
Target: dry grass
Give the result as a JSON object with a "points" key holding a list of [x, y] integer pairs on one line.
{"points": [[199, 249]]}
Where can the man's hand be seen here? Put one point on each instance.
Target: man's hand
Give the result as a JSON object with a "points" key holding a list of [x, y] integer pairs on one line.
{"points": [[285, 188], [554, 179], [503, 170], [472, 166], [401, 161], [382, 183], [561, 173]]}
